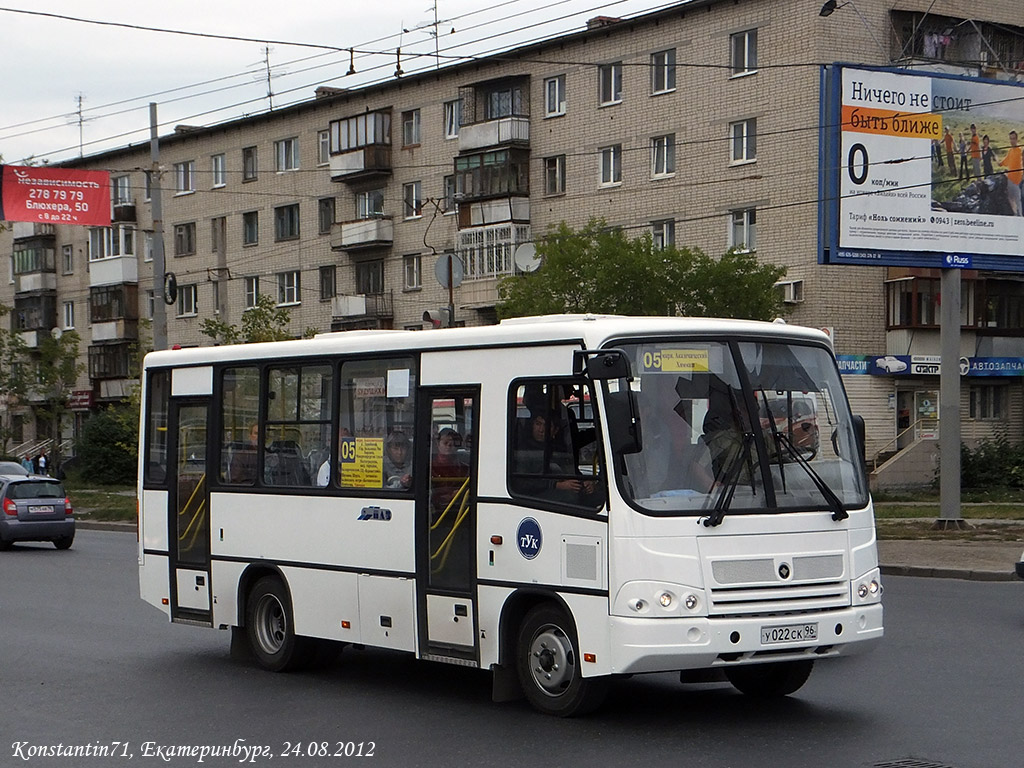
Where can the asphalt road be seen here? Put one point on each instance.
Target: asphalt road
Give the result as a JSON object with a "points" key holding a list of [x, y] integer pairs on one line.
{"points": [[84, 663]]}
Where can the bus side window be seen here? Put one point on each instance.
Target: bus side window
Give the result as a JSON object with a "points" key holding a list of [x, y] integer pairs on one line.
{"points": [[240, 408]]}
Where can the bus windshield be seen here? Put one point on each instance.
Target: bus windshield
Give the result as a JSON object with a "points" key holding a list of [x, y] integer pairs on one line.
{"points": [[748, 426]]}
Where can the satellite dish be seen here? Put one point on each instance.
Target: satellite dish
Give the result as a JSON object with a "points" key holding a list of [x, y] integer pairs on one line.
{"points": [[526, 258], [56, 332]]}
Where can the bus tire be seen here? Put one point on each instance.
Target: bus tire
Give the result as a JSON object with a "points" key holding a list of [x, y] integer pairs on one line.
{"points": [[548, 663], [767, 681], [271, 629]]}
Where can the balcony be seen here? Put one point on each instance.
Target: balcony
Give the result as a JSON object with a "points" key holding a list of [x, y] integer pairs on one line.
{"points": [[115, 330], [123, 212], [363, 305], [495, 133], [114, 270], [362, 233], [35, 281], [26, 229], [362, 164]]}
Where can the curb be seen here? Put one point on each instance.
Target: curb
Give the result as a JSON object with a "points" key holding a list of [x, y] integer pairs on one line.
{"points": [[947, 573], [101, 525]]}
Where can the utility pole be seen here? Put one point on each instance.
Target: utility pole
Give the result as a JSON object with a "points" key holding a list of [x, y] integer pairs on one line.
{"points": [[159, 262]]}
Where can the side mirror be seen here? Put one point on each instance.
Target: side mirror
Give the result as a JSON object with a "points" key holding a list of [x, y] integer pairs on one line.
{"points": [[623, 424], [860, 433], [603, 365]]}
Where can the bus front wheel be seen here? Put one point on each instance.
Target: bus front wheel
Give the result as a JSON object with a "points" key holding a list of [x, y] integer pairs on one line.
{"points": [[548, 663], [770, 680], [270, 627]]}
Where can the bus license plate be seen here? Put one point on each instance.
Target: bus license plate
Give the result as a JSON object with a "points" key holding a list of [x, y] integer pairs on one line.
{"points": [[789, 633]]}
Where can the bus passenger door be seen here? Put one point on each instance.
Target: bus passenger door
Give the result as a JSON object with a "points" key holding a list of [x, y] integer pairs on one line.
{"points": [[445, 475], [189, 520]]}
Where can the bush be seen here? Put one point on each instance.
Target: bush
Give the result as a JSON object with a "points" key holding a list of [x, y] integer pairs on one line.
{"points": [[103, 450], [993, 464]]}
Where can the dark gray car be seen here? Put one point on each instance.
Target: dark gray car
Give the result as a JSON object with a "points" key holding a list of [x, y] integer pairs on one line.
{"points": [[35, 508]]}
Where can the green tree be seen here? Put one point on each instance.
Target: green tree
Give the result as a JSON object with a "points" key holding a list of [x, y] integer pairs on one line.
{"points": [[13, 381], [108, 446], [264, 322], [57, 370], [601, 269]]}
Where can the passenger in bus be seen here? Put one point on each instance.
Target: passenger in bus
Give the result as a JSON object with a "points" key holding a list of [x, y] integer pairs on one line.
{"points": [[397, 464], [447, 473], [724, 438], [542, 461], [243, 462]]}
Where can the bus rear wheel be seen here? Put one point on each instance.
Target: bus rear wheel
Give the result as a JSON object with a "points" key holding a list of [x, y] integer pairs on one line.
{"points": [[770, 680], [548, 664], [271, 629]]}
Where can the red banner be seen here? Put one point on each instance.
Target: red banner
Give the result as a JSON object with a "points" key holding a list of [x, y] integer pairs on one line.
{"points": [[55, 196]]}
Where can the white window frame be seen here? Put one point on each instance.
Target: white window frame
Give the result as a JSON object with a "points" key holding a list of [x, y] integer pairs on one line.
{"points": [[185, 177], [743, 53], [554, 171], [185, 227], [450, 189], [554, 96], [663, 72], [663, 233], [286, 154], [288, 288], [188, 300], [366, 201], [69, 315], [148, 244], [323, 147], [121, 189], [67, 257], [452, 118], [411, 128], [610, 165], [412, 200], [663, 156], [251, 290], [609, 84], [218, 169], [743, 229], [412, 272], [743, 141]]}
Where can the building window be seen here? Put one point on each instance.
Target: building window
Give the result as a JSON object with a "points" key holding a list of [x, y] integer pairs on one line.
{"points": [[362, 130], [503, 102], [609, 83], [370, 204], [250, 164], [486, 252], [69, 315], [452, 118], [250, 228], [148, 244], [218, 227], [411, 128], [554, 175], [219, 170], [120, 187], [663, 71], [743, 229], [113, 302], [743, 144], [148, 184], [288, 287], [187, 301], [663, 155], [370, 277], [286, 222], [67, 254], [1001, 305], [611, 165], [411, 267], [554, 96], [185, 177], [663, 233], [328, 282], [743, 56], [988, 401], [412, 199], [150, 304], [323, 147], [185, 239], [450, 188], [286, 155], [325, 214], [252, 291]]}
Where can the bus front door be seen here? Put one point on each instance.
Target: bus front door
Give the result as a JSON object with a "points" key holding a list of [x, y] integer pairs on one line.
{"points": [[189, 521], [446, 524]]}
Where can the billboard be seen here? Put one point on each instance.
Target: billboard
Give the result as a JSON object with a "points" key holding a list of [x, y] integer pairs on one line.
{"points": [[920, 170], [43, 195]]}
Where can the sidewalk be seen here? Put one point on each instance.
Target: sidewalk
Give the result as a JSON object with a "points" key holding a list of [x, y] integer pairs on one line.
{"points": [[973, 560]]}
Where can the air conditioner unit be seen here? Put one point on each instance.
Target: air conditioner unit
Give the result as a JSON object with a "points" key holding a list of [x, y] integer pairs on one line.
{"points": [[792, 291]]}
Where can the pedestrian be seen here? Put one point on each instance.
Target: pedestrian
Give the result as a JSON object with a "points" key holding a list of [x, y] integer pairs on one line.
{"points": [[28, 465], [42, 464]]}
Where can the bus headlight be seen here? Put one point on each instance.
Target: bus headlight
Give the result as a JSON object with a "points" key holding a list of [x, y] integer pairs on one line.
{"points": [[653, 599], [665, 598], [868, 589]]}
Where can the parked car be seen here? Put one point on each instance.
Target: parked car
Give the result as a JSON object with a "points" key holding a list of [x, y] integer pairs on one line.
{"points": [[1020, 566], [35, 508], [12, 468]]}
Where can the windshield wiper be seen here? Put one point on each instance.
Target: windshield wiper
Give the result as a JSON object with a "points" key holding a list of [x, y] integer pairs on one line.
{"points": [[833, 501], [730, 481]]}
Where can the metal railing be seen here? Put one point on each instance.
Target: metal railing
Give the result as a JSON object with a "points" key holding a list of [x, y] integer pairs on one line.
{"points": [[894, 442]]}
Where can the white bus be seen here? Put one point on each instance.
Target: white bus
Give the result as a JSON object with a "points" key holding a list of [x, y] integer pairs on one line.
{"points": [[559, 500]]}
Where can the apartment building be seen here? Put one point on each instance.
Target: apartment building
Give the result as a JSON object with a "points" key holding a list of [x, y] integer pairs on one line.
{"points": [[698, 123]]}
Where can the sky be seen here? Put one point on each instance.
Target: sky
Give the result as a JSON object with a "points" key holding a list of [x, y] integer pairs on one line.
{"points": [[76, 88]]}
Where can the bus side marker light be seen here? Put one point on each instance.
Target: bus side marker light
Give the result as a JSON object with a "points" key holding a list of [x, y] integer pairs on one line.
{"points": [[590, 658], [496, 540], [165, 601], [346, 624]]}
